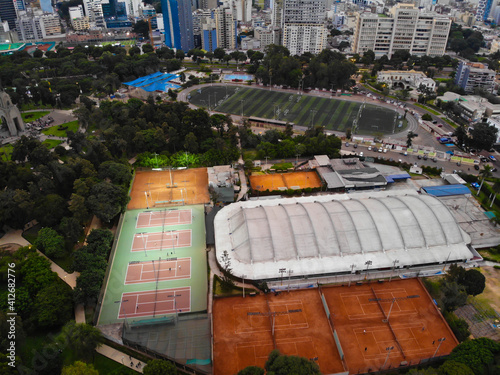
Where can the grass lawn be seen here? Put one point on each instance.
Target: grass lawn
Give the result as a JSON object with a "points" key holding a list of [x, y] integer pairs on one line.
{"points": [[282, 166], [449, 122], [29, 106], [491, 293], [52, 143], [6, 152], [61, 130], [428, 109], [33, 116], [107, 366], [488, 255]]}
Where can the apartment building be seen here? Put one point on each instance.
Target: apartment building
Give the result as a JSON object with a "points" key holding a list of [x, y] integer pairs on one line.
{"points": [[471, 76], [405, 28], [302, 23], [36, 27], [226, 28]]}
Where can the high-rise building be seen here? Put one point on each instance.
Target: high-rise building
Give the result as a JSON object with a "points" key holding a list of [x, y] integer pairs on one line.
{"points": [[483, 10], [208, 34], [36, 27], [471, 76], [408, 29], [226, 28], [8, 12], [93, 10], [178, 22], [302, 23]]}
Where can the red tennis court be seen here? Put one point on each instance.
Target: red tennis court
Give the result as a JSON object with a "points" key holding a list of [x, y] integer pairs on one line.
{"points": [[158, 270], [149, 219], [151, 302], [169, 241]]}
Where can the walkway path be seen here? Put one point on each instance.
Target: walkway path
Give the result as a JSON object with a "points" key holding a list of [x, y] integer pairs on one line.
{"points": [[122, 358]]}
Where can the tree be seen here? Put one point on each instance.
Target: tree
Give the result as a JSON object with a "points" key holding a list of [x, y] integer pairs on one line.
{"points": [[454, 295], [455, 368], [147, 48], [82, 338], [50, 243], [477, 354], [426, 117], [54, 305], [474, 282], [483, 136], [252, 370], [219, 53], [409, 138], [485, 173], [172, 94], [141, 27], [79, 368], [459, 326], [117, 173], [88, 285], [107, 200], [160, 367], [71, 228], [278, 364]]}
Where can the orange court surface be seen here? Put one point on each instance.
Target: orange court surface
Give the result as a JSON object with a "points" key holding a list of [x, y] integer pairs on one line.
{"points": [[242, 331], [415, 328], [169, 187], [292, 180]]}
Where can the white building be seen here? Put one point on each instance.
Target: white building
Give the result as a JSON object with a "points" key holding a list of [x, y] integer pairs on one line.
{"points": [[471, 76], [300, 38], [226, 28], [93, 10], [407, 29], [406, 79], [267, 36], [36, 27], [495, 121], [76, 12]]}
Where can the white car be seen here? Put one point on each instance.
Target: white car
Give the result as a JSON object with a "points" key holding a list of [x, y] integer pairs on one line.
{"points": [[361, 154], [369, 148]]}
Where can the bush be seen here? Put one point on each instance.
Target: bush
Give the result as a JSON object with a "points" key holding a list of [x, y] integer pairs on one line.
{"points": [[426, 117], [459, 326]]}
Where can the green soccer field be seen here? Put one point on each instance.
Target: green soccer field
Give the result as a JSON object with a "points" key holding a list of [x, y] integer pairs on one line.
{"points": [[302, 110]]}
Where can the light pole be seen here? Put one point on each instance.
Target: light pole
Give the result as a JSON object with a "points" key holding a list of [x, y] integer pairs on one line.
{"points": [[296, 160], [313, 112], [282, 271], [396, 261], [289, 273], [368, 264], [389, 348], [243, 277], [242, 101], [267, 157], [144, 244], [174, 296], [123, 308], [440, 342], [352, 269], [147, 203]]}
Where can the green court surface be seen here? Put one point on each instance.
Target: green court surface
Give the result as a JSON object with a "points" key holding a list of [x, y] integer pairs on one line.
{"points": [[304, 110], [123, 256], [10, 46]]}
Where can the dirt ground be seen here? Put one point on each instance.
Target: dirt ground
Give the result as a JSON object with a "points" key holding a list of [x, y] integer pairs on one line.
{"points": [[492, 291], [285, 180], [242, 331], [365, 334], [165, 188]]}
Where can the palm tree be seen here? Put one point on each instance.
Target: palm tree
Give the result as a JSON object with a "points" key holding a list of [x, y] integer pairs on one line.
{"points": [[496, 190], [485, 173]]}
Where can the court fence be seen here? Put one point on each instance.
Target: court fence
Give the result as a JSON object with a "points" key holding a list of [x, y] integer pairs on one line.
{"points": [[406, 366], [108, 270]]}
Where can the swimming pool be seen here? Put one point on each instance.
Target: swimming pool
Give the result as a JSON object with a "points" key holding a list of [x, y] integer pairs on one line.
{"points": [[243, 77]]}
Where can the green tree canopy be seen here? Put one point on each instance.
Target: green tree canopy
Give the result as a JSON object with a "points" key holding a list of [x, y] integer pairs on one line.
{"points": [[252, 370], [79, 368], [160, 367], [278, 364], [82, 338], [455, 368], [477, 354], [50, 243], [474, 282], [53, 305]]}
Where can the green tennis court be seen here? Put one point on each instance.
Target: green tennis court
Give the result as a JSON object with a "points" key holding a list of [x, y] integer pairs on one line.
{"points": [[304, 110], [155, 282]]}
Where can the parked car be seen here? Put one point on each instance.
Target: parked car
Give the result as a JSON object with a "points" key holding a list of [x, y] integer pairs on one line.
{"points": [[369, 148], [425, 157], [476, 167], [492, 158], [419, 156], [355, 145], [347, 144]]}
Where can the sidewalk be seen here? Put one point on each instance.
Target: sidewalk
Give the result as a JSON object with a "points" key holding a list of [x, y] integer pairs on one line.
{"points": [[120, 357]]}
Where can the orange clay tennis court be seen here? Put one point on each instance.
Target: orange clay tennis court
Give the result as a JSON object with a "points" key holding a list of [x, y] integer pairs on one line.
{"points": [[158, 270], [243, 334], [169, 240], [279, 181], [414, 329], [155, 302], [150, 219], [169, 187]]}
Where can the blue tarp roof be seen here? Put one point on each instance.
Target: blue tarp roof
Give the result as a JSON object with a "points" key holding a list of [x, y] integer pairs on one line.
{"points": [[393, 177], [447, 190], [155, 82]]}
